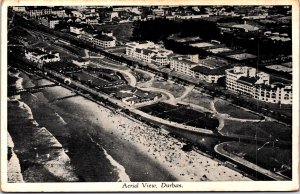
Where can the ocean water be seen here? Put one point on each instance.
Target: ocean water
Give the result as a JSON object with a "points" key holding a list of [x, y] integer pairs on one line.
{"points": [[97, 154]]}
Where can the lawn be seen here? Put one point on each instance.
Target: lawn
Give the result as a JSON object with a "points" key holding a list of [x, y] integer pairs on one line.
{"points": [[268, 157], [175, 89], [198, 98], [225, 107], [140, 76], [261, 129], [120, 31], [181, 114], [63, 53]]}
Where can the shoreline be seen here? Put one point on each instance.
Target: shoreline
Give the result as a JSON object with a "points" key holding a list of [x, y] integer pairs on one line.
{"points": [[39, 154], [162, 149], [135, 129]]}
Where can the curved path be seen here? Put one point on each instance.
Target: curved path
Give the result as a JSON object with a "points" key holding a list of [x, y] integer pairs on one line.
{"points": [[188, 89], [147, 83], [171, 98], [132, 79]]}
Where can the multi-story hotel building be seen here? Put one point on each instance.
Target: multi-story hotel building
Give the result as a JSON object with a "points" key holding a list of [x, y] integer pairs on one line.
{"points": [[38, 11], [41, 56], [246, 81], [19, 8], [183, 64], [49, 21], [204, 70], [44, 10], [104, 41], [148, 52]]}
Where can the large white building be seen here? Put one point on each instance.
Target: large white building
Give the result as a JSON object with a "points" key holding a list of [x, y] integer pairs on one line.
{"points": [[183, 64], [148, 52], [44, 10], [76, 28], [49, 21], [104, 41], [203, 69], [249, 82], [19, 8], [41, 56]]}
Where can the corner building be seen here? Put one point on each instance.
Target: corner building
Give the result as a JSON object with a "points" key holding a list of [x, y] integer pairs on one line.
{"points": [[246, 81]]}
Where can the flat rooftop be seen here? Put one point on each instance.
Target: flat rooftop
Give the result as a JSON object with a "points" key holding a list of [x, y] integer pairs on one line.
{"points": [[280, 68], [242, 56], [187, 39], [213, 63], [219, 50], [202, 44]]}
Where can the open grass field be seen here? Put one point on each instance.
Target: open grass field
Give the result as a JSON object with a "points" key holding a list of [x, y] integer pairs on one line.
{"points": [[225, 107], [175, 89], [181, 114], [63, 53], [198, 98], [140, 76], [262, 129], [121, 31], [268, 157]]}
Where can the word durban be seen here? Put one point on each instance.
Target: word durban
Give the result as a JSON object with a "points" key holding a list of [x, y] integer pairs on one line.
{"points": [[151, 185]]}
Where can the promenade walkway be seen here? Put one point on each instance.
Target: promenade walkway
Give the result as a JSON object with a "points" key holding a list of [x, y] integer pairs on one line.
{"points": [[220, 150], [131, 79]]}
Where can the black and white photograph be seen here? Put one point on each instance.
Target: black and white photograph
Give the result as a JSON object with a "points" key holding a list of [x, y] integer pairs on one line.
{"points": [[150, 97]]}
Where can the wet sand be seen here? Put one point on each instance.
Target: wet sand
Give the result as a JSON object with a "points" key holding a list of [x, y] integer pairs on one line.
{"points": [[145, 153]]}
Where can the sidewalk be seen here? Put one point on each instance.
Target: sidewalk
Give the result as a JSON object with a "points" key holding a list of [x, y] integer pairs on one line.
{"points": [[220, 150]]}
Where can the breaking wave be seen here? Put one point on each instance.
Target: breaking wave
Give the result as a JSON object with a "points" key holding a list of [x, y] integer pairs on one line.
{"points": [[122, 176]]}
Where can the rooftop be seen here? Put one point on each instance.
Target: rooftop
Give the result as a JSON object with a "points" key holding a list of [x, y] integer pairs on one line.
{"points": [[183, 59], [219, 50], [103, 37], [242, 56], [213, 62], [202, 44], [208, 71], [247, 80]]}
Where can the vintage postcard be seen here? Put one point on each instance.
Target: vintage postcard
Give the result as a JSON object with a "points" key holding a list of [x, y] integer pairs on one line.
{"points": [[159, 96]]}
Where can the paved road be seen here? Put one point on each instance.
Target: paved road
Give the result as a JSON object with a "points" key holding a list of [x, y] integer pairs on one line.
{"points": [[171, 98], [131, 79], [220, 150], [188, 89]]}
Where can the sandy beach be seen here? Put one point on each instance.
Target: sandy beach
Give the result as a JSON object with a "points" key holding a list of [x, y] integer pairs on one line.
{"points": [[167, 151], [108, 146]]}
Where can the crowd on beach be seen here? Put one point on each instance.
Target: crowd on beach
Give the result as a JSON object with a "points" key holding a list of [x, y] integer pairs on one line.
{"points": [[167, 150]]}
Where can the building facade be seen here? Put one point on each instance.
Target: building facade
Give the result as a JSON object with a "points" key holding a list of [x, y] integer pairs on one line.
{"points": [[192, 67], [246, 81], [41, 56], [104, 41], [148, 52], [49, 21], [183, 65]]}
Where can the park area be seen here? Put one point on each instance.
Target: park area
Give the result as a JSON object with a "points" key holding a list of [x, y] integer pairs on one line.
{"points": [[225, 107], [198, 98], [63, 67], [276, 159], [99, 78], [265, 129], [65, 52], [175, 89], [140, 76], [122, 31], [181, 114]]}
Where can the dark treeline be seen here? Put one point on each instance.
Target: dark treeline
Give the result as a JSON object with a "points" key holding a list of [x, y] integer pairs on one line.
{"points": [[160, 29], [255, 44]]}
